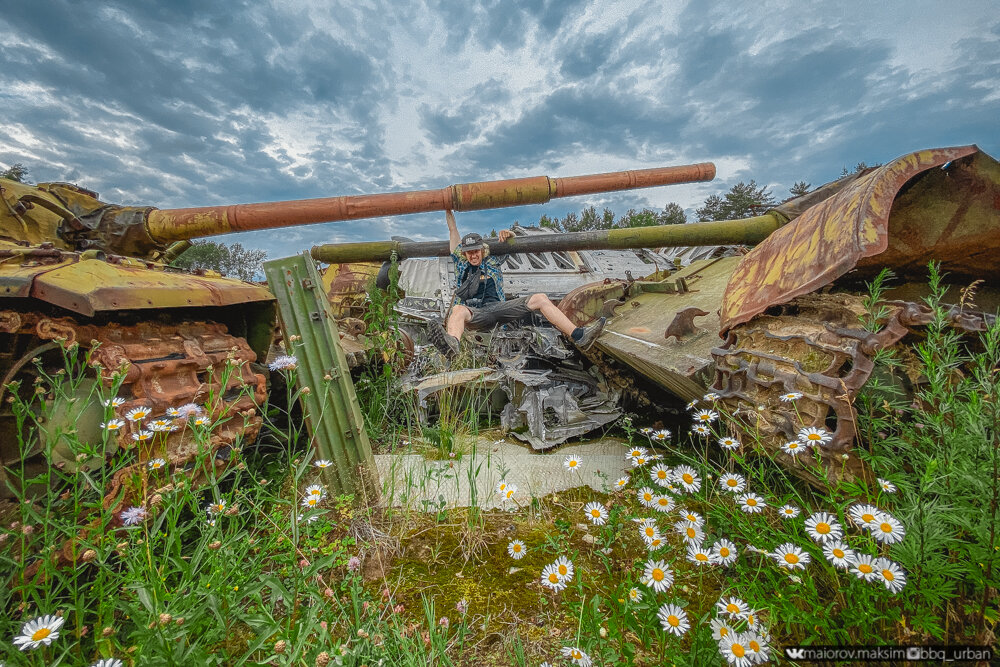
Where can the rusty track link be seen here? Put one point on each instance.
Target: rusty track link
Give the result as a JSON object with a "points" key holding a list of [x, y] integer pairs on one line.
{"points": [[164, 366], [816, 348]]}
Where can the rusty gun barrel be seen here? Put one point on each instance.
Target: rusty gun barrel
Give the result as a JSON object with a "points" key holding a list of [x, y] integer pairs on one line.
{"points": [[169, 225]]}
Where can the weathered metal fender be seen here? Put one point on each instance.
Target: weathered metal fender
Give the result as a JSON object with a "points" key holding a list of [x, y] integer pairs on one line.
{"points": [[88, 285], [900, 215]]}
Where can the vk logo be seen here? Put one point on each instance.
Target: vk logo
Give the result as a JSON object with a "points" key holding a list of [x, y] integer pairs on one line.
{"points": [[795, 653]]}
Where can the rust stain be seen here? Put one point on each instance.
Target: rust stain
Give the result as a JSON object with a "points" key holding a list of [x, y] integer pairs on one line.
{"points": [[640, 330], [827, 240]]}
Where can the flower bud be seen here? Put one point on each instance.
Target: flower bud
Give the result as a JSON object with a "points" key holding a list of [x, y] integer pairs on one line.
{"points": [[280, 646]]}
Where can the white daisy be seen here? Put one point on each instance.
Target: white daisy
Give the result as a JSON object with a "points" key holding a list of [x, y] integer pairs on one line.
{"points": [[673, 619], [137, 414], [863, 515], [815, 436], [516, 549], [636, 452], [721, 629], [711, 397], [316, 490], [572, 462], [311, 501], [108, 662], [863, 566], [706, 416], [596, 512], [839, 554], [693, 404], [788, 511], [663, 503], [655, 543], [576, 656], [634, 595], [307, 518], [159, 425], [564, 566], [699, 555], [687, 478], [645, 430], [142, 436], [886, 529], [508, 494], [886, 485], [732, 482], [646, 496], [793, 448], [649, 531], [113, 425], [691, 533], [735, 651], [660, 474], [757, 647], [724, 551], [201, 420], [156, 464], [692, 517], [173, 413], [657, 576], [322, 463], [890, 574], [661, 435], [790, 556], [113, 402], [134, 515], [735, 607], [284, 362], [639, 461], [790, 397], [729, 442], [216, 508], [502, 486], [751, 503], [38, 632], [701, 429], [823, 526], [622, 482], [551, 578]]}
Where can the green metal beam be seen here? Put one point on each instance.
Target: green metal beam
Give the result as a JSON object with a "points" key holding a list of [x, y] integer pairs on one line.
{"points": [[333, 416]]}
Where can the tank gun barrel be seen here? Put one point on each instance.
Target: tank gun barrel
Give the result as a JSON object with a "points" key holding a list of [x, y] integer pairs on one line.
{"points": [[726, 232], [170, 225]]}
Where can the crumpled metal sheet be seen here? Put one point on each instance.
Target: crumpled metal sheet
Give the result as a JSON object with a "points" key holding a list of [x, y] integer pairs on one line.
{"points": [[544, 406], [547, 408]]}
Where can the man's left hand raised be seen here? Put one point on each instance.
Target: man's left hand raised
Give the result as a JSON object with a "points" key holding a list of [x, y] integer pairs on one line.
{"points": [[505, 234]]}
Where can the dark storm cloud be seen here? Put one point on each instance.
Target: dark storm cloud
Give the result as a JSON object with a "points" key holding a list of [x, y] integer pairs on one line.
{"points": [[600, 119], [174, 78], [585, 56]]}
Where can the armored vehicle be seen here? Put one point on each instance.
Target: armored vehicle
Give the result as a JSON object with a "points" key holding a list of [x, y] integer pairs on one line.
{"points": [[78, 271], [781, 313]]}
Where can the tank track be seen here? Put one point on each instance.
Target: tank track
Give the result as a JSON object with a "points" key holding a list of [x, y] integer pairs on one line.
{"points": [[164, 365], [814, 346]]}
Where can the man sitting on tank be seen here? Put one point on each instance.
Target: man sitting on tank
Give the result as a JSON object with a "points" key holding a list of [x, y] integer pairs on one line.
{"points": [[480, 303]]}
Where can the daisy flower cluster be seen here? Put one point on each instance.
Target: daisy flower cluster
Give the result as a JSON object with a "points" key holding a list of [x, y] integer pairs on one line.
{"points": [[557, 575], [741, 636], [144, 426]]}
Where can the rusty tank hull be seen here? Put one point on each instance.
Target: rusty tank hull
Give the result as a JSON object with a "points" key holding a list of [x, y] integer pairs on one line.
{"points": [[76, 271]]}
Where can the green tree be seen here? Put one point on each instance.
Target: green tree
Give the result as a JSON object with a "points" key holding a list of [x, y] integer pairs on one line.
{"points": [[861, 166], [799, 188], [15, 172], [673, 214], [234, 260], [742, 201]]}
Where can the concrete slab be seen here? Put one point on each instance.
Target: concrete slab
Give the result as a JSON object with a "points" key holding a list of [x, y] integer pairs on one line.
{"points": [[410, 480]]}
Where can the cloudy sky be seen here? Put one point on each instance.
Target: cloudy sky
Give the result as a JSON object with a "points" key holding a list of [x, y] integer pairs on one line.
{"points": [[197, 102]]}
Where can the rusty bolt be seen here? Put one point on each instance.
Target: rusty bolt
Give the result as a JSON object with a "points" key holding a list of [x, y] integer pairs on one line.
{"points": [[323, 659], [88, 555], [280, 646], [215, 545]]}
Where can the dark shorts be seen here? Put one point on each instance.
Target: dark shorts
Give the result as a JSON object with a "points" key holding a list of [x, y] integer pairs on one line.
{"points": [[499, 312]]}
